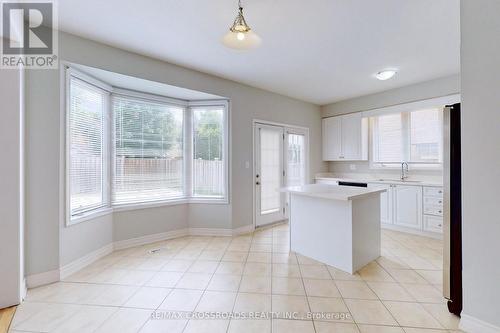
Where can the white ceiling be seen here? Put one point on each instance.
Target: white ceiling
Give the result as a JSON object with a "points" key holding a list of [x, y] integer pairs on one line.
{"points": [[319, 51]]}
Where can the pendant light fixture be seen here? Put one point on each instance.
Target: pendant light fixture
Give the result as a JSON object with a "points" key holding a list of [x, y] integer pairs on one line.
{"points": [[240, 36]]}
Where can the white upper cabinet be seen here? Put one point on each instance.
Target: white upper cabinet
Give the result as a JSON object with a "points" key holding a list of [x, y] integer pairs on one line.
{"points": [[408, 206], [332, 138], [345, 138]]}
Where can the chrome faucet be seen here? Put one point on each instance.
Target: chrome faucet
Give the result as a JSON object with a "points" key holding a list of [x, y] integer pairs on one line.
{"points": [[404, 171]]}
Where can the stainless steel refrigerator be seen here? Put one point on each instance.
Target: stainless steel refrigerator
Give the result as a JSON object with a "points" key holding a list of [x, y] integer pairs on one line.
{"points": [[452, 215]]}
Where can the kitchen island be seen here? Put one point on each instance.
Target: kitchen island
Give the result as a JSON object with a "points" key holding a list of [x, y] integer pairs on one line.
{"points": [[336, 225]]}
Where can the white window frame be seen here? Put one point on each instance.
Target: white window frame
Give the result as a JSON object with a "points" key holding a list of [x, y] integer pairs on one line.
{"points": [[105, 208], [225, 151], [406, 145], [109, 150]]}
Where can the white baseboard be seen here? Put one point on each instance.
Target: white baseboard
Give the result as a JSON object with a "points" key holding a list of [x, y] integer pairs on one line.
{"points": [[412, 231], [24, 290], [243, 230], [84, 261], [124, 244], [41, 279], [471, 324], [210, 232]]}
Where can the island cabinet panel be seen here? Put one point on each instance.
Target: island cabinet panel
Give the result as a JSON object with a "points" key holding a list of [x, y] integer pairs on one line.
{"points": [[408, 206], [345, 138]]}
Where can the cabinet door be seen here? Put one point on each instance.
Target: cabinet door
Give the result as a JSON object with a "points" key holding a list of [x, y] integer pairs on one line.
{"points": [[332, 138], [408, 206], [351, 137], [386, 199]]}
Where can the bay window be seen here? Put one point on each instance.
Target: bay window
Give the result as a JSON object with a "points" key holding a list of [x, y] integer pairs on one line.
{"points": [[414, 137], [126, 148]]}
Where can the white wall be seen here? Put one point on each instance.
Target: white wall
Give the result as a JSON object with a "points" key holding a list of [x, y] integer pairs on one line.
{"points": [[45, 250], [480, 68], [425, 90], [11, 183]]}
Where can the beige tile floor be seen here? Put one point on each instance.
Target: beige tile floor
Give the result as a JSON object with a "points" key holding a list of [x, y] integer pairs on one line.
{"points": [[253, 273]]}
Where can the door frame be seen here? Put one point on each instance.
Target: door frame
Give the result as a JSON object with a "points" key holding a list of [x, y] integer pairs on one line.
{"points": [[301, 129]]}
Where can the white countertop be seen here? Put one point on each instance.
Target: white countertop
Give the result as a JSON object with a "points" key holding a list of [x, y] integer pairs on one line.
{"points": [[380, 180], [332, 192]]}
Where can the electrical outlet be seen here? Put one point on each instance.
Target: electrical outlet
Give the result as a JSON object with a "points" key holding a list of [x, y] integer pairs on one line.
{"points": [[352, 167]]}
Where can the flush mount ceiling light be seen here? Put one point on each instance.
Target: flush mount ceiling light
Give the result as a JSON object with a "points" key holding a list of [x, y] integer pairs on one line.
{"points": [[240, 36], [385, 74]]}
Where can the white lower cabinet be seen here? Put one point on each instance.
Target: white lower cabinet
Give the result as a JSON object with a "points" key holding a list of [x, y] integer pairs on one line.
{"points": [[433, 223], [433, 209], [408, 206], [405, 207]]}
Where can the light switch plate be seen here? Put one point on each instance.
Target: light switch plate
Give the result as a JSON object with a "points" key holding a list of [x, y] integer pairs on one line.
{"points": [[352, 167]]}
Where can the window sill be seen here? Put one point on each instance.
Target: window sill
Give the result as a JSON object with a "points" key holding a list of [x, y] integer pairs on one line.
{"points": [[89, 215], [208, 200]]}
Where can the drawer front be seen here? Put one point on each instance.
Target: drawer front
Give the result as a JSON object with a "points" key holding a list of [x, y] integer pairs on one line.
{"points": [[433, 192], [433, 210], [433, 223], [433, 201]]}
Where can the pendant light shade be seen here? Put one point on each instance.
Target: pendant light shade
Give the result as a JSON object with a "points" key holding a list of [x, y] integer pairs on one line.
{"points": [[240, 36]]}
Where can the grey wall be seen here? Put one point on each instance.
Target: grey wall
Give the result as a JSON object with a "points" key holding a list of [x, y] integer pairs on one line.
{"points": [[43, 144], [42, 171], [79, 239], [425, 90], [11, 183], [480, 62], [143, 222]]}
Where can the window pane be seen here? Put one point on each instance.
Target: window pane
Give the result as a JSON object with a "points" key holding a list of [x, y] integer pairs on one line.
{"points": [[388, 139], [425, 137], [208, 153], [148, 151], [271, 169], [86, 124], [296, 168]]}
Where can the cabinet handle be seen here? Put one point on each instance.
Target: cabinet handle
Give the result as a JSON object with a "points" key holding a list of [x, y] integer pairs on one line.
{"points": [[440, 225], [440, 191], [439, 211], [440, 201]]}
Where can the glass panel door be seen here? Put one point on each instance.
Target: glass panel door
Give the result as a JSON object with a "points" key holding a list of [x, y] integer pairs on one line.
{"points": [[296, 159], [269, 174]]}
